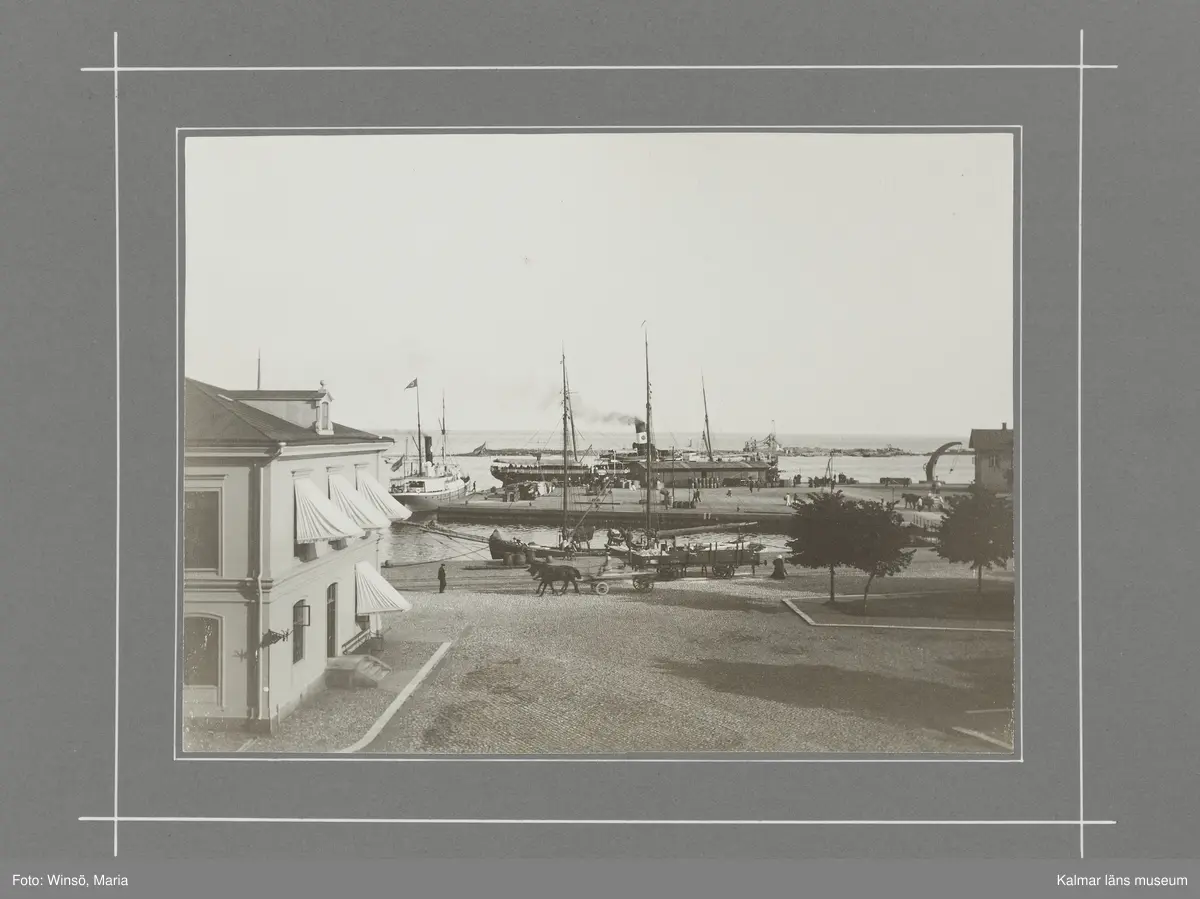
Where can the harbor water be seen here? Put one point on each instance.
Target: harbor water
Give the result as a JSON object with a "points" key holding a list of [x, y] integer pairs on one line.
{"points": [[411, 546]]}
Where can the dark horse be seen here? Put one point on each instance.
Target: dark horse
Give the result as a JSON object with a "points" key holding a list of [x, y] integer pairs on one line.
{"points": [[551, 574]]}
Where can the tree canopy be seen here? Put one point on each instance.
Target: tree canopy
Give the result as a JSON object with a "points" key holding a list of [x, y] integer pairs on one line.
{"points": [[830, 530], [978, 531]]}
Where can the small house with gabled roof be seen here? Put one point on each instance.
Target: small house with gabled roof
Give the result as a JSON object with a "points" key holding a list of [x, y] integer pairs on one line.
{"points": [[993, 458]]}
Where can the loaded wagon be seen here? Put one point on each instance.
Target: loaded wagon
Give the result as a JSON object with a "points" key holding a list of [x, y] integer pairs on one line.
{"points": [[718, 560], [642, 581]]}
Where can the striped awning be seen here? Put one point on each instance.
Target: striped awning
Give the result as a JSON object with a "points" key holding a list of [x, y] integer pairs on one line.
{"points": [[372, 592], [354, 505], [318, 519], [377, 495]]}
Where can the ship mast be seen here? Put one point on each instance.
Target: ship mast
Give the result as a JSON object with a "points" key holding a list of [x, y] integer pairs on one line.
{"points": [[566, 476], [443, 424], [707, 430], [649, 449], [570, 414], [420, 442]]}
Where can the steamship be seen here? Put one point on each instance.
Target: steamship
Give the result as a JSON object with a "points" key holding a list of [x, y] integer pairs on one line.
{"points": [[612, 465], [421, 484]]}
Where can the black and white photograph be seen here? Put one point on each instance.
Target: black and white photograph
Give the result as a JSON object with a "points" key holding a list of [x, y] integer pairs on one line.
{"points": [[671, 448], [599, 443]]}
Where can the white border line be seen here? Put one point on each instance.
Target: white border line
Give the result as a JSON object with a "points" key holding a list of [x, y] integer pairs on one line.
{"points": [[116, 69], [117, 504], [725, 822], [799, 129], [601, 68], [1079, 437]]}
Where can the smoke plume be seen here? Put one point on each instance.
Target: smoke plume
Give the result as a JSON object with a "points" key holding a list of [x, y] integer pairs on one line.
{"points": [[586, 412], [589, 413]]}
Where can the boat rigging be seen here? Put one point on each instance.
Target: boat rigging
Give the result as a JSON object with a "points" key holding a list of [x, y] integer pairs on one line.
{"points": [[707, 429]]}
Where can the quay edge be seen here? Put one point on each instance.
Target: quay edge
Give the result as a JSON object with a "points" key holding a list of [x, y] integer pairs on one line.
{"points": [[486, 513]]}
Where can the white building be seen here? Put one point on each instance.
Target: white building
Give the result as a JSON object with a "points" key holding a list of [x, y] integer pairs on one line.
{"points": [[285, 516]]}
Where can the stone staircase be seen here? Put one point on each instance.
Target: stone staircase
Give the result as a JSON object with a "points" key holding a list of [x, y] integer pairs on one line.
{"points": [[348, 672]]}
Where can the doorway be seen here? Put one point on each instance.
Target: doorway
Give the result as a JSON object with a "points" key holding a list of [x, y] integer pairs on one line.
{"points": [[331, 640]]}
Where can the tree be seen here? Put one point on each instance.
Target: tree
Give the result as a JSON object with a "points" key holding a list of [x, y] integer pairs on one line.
{"points": [[978, 531], [830, 530], [879, 547], [820, 534]]}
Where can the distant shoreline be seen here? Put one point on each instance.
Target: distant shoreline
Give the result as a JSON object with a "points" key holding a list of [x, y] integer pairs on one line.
{"points": [[885, 452]]}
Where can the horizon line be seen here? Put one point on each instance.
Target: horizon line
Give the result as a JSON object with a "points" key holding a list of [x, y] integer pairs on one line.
{"points": [[765, 67]]}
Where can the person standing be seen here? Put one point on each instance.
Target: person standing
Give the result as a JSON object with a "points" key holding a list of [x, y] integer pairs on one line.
{"points": [[441, 579]]}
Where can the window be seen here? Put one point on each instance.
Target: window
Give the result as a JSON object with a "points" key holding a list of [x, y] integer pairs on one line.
{"points": [[202, 530], [331, 643], [323, 417], [299, 624], [201, 651]]}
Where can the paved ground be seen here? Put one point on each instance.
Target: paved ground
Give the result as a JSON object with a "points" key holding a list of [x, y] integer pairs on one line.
{"points": [[694, 666]]}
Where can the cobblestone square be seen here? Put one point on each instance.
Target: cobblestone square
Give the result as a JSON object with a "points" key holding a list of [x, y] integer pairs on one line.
{"points": [[693, 666]]}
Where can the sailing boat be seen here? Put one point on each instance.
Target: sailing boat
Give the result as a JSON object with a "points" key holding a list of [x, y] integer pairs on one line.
{"points": [[511, 472], [423, 483], [571, 470]]}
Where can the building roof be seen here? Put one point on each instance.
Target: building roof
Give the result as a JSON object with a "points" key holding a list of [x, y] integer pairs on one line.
{"points": [[216, 417], [703, 466], [989, 439], [290, 395]]}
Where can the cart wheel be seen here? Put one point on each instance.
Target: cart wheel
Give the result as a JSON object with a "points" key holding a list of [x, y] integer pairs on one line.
{"points": [[601, 588]]}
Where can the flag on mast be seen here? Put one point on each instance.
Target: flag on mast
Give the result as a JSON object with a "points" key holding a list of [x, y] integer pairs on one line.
{"points": [[412, 384]]}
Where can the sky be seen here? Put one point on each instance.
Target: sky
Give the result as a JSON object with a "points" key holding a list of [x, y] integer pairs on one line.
{"points": [[831, 283]]}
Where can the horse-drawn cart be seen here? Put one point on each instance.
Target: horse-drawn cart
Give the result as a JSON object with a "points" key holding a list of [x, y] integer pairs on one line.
{"points": [[642, 581], [673, 562], [599, 582]]}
